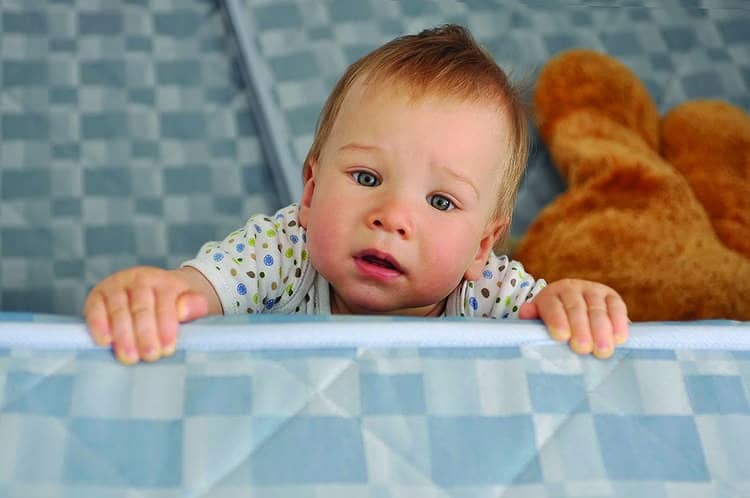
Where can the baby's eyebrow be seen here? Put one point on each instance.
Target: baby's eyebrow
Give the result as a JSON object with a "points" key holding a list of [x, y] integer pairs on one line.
{"points": [[358, 146], [459, 177]]}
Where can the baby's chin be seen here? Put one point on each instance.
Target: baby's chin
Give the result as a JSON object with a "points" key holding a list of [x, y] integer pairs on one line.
{"points": [[369, 304]]}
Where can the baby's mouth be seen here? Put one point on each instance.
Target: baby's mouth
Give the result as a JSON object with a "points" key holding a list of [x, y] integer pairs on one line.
{"points": [[380, 259]]}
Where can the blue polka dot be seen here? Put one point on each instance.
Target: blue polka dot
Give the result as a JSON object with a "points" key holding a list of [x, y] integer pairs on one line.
{"points": [[487, 274], [241, 289], [269, 304], [240, 247], [258, 229], [473, 303], [294, 239], [268, 260], [218, 256], [524, 284], [506, 315]]}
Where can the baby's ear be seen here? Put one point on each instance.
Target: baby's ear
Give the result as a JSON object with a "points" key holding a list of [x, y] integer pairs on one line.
{"points": [[492, 233], [308, 189]]}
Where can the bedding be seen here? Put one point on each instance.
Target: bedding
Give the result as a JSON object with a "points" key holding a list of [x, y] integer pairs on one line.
{"points": [[289, 407]]}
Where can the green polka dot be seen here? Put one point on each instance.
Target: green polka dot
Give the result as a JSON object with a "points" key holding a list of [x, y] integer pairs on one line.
{"points": [[507, 301], [271, 233], [256, 298], [289, 252], [304, 255], [289, 289], [251, 242]]}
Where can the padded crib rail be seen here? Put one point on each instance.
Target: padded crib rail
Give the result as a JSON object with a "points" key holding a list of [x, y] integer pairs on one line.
{"points": [[362, 406]]}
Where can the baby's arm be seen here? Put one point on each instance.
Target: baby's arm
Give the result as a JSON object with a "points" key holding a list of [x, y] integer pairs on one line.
{"points": [[590, 316], [138, 310]]}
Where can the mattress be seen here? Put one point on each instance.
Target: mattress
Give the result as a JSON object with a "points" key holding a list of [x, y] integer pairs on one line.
{"points": [[331, 406]]}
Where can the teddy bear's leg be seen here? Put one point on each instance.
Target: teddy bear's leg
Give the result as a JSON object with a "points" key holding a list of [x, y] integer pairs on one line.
{"points": [[581, 79], [708, 141]]}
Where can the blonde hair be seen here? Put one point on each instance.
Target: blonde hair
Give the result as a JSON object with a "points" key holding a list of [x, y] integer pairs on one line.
{"points": [[446, 61]]}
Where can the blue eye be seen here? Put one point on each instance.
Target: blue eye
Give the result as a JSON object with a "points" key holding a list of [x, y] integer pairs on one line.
{"points": [[440, 202], [366, 179]]}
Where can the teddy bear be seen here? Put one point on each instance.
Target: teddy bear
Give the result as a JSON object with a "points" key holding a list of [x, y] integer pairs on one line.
{"points": [[658, 209]]}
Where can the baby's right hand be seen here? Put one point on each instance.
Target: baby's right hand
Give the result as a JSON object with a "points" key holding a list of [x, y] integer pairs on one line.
{"points": [[138, 310]]}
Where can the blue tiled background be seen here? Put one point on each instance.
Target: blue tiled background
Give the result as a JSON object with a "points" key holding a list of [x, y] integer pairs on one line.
{"points": [[126, 137]]}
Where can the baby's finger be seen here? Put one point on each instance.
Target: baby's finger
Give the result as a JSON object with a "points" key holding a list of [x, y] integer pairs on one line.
{"points": [[167, 320], [121, 327], [144, 323], [95, 312], [618, 313], [577, 314], [555, 318], [601, 327]]}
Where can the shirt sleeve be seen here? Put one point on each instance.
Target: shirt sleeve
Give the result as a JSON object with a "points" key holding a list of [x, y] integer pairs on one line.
{"points": [[259, 268], [500, 292]]}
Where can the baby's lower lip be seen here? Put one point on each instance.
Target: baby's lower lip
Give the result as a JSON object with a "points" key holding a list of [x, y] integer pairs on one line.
{"points": [[375, 271]]}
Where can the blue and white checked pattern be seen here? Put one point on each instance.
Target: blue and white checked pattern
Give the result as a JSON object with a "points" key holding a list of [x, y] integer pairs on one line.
{"points": [[681, 49], [529, 420], [126, 137]]}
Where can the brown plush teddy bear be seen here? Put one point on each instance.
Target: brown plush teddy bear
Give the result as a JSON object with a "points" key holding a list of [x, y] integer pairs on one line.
{"points": [[657, 209]]}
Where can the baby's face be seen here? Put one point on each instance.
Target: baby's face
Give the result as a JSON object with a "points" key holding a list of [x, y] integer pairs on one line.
{"points": [[398, 209]]}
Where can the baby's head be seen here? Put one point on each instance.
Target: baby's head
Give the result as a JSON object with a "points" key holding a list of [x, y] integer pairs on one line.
{"points": [[412, 175], [442, 62]]}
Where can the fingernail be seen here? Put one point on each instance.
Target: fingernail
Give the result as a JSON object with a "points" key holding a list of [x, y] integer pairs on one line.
{"points": [[560, 334], [182, 311], [128, 356], [169, 349]]}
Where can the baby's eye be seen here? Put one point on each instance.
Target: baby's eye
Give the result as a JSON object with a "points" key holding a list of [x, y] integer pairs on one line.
{"points": [[366, 179], [440, 202]]}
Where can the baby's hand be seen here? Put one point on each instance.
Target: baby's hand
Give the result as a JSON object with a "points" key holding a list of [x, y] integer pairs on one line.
{"points": [[138, 310], [591, 317]]}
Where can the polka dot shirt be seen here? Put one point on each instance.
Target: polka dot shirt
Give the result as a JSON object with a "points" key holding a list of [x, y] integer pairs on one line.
{"points": [[264, 268]]}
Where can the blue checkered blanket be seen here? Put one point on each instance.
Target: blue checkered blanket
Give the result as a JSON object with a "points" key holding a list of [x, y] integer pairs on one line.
{"points": [[352, 406]]}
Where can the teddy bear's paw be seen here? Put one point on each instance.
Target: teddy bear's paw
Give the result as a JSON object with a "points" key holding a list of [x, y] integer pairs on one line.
{"points": [[708, 141], [584, 79]]}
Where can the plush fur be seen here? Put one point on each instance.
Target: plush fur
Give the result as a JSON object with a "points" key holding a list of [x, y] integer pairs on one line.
{"points": [[658, 209]]}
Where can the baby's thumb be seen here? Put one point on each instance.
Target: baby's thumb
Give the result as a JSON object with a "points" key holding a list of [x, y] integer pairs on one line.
{"points": [[528, 311], [191, 306]]}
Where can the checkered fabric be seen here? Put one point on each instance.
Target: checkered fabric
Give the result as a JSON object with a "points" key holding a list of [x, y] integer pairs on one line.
{"points": [[681, 49], [126, 137], [520, 421]]}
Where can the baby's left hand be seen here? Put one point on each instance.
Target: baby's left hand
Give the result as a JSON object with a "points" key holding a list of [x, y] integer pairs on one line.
{"points": [[590, 316]]}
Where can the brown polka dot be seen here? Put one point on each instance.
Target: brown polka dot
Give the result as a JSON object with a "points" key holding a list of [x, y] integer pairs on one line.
{"points": [[512, 282], [274, 285], [485, 292], [265, 245], [233, 272], [292, 223], [298, 272], [279, 247], [501, 269], [286, 279], [250, 274]]}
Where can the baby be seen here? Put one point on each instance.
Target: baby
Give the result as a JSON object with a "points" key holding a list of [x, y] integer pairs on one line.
{"points": [[408, 185]]}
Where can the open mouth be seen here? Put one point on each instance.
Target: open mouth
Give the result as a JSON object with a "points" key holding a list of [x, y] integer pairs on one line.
{"points": [[383, 263], [378, 264]]}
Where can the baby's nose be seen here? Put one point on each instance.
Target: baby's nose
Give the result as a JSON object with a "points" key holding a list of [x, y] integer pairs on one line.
{"points": [[392, 217]]}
